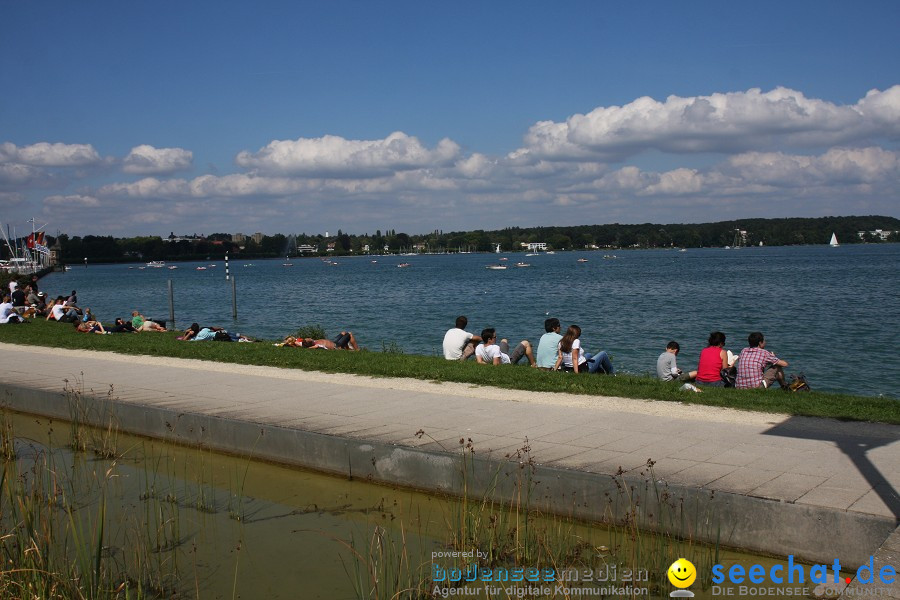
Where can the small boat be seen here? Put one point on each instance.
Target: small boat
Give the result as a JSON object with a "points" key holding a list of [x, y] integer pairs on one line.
{"points": [[610, 256], [504, 258], [172, 268], [550, 252], [833, 243], [401, 265], [523, 264], [68, 268], [201, 268], [156, 264], [496, 267], [249, 265], [532, 254], [130, 267], [685, 249], [287, 264], [139, 268], [582, 260], [211, 266]]}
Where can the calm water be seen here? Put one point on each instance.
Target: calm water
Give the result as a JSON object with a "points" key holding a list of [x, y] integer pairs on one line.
{"points": [[833, 313]]}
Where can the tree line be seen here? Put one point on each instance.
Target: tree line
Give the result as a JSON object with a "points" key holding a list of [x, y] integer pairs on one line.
{"points": [[771, 232]]}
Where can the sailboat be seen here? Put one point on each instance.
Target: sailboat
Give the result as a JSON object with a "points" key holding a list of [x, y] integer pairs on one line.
{"points": [[833, 243]]}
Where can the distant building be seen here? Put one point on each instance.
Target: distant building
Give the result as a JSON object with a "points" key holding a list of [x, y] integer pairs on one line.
{"points": [[879, 233], [330, 247], [183, 238], [238, 238], [257, 237], [534, 246]]}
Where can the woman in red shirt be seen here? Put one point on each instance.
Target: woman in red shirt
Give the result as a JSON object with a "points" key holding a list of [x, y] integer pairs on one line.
{"points": [[713, 359]]}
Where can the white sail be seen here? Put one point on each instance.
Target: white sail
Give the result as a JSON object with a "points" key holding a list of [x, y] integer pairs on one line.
{"points": [[833, 243]]}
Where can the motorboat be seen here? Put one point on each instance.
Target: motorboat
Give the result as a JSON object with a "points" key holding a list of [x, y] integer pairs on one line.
{"points": [[496, 267]]}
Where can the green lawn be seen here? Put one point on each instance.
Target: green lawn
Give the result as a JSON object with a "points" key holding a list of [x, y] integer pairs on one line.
{"points": [[380, 364]]}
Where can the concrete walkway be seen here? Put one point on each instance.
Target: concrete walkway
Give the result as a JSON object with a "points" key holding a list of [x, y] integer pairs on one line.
{"points": [[836, 468]]}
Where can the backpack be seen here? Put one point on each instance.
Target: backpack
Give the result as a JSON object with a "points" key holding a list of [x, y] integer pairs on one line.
{"points": [[729, 376], [222, 336], [798, 383]]}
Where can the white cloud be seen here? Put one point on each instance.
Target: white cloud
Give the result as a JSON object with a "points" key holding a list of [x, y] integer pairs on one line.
{"points": [[71, 201], [44, 154], [336, 156], [721, 122], [147, 160]]}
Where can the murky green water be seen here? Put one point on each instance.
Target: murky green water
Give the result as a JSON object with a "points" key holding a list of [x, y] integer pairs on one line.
{"points": [[190, 523]]}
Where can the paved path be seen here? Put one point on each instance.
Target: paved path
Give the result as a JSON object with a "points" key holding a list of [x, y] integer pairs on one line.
{"points": [[819, 462]]}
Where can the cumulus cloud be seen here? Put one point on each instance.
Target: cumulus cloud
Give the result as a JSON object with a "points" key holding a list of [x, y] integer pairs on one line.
{"points": [[44, 154], [147, 160], [721, 123], [335, 156]]}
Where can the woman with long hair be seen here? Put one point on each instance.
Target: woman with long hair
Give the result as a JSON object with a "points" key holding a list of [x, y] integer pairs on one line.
{"points": [[569, 356]]}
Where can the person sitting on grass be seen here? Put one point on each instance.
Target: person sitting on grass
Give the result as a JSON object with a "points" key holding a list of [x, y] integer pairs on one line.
{"points": [[757, 367], [8, 314], [492, 353], [142, 323], [549, 345], [62, 313], [666, 367], [459, 344], [89, 327]]}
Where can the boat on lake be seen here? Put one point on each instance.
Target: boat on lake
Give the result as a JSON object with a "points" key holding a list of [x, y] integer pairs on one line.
{"points": [[496, 267], [156, 264], [582, 260], [201, 268], [833, 243], [523, 264]]}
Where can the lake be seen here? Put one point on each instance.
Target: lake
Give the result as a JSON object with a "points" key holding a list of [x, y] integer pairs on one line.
{"points": [[832, 313]]}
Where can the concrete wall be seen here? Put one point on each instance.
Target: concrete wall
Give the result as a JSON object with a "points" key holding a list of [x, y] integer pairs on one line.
{"points": [[748, 523]]}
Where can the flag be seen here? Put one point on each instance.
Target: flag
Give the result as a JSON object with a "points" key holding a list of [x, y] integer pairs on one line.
{"points": [[40, 239], [29, 243]]}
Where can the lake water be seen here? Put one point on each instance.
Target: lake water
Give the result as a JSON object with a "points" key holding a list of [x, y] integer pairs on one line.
{"points": [[833, 313]]}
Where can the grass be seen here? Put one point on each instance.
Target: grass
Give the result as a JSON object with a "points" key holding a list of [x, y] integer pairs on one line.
{"points": [[397, 364]]}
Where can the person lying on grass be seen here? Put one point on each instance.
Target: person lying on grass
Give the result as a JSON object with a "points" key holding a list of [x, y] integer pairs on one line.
{"points": [[343, 341]]}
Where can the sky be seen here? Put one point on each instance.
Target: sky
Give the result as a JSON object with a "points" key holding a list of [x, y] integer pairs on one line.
{"points": [[139, 118]]}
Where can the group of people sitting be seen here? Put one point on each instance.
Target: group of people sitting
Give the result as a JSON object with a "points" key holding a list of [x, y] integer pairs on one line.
{"points": [[754, 367], [555, 351], [27, 302]]}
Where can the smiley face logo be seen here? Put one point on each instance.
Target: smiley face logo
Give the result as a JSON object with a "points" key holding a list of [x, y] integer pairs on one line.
{"points": [[682, 573]]}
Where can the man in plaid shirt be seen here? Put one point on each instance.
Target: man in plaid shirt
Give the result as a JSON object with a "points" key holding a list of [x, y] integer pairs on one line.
{"points": [[757, 367]]}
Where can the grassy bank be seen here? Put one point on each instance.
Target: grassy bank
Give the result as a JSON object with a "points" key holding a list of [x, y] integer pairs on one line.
{"points": [[381, 364]]}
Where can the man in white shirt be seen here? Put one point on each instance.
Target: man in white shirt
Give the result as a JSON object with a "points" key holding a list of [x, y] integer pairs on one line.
{"points": [[459, 344], [489, 352], [8, 313]]}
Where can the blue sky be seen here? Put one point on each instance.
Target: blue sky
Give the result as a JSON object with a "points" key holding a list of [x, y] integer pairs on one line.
{"points": [[125, 118]]}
